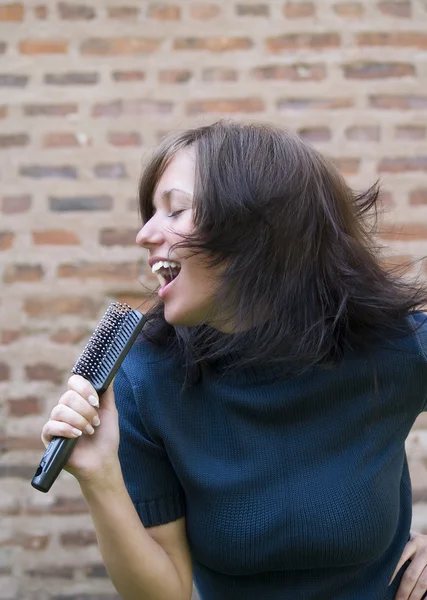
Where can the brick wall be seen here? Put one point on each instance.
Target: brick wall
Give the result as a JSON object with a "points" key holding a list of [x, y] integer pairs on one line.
{"points": [[85, 91]]}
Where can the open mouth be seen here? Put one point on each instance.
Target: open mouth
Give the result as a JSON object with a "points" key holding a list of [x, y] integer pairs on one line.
{"points": [[166, 271]]}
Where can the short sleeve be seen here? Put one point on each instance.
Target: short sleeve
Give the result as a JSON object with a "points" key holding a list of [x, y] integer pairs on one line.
{"points": [[149, 477]]}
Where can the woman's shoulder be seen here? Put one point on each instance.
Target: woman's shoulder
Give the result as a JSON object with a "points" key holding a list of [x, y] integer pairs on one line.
{"points": [[418, 324], [145, 359]]}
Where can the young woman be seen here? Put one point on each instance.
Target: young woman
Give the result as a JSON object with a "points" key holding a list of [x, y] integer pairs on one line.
{"points": [[263, 413]]}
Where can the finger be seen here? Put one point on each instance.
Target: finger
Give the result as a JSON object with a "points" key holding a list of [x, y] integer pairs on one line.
{"points": [[79, 404], [410, 581], [58, 429], [83, 387], [108, 402], [62, 412], [420, 571], [408, 551]]}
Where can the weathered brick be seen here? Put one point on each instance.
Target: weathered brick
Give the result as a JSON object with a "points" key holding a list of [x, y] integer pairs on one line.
{"points": [[302, 41], [402, 164], [17, 471], [11, 80], [3, 112], [69, 336], [123, 12], [347, 166], [315, 134], [119, 46], [78, 538], [3, 47], [48, 171], [14, 140], [397, 39], [205, 11], [418, 196], [219, 74], [8, 336], [80, 203], [106, 271], [12, 12], [6, 240], [110, 171], [75, 12], [97, 570], [410, 132], [213, 44], [51, 306], [134, 107], [43, 46], [124, 138], [71, 78], [90, 596], [296, 72], [164, 12], [24, 406], [19, 443], [363, 133], [15, 204], [403, 232], [349, 10], [63, 505], [50, 110], [126, 76], [117, 237], [28, 541], [41, 12], [230, 106], [53, 571], [44, 372], [314, 103], [174, 75], [395, 9], [65, 139], [22, 273], [252, 10], [378, 70], [299, 10], [4, 372], [397, 102], [55, 237]]}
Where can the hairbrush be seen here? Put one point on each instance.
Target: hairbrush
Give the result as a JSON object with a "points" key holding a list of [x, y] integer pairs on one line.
{"points": [[98, 363]]}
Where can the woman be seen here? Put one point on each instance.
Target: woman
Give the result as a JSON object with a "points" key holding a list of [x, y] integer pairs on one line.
{"points": [[264, 411]]}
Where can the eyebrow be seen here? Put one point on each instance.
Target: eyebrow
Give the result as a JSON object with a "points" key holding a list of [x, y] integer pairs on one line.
{"points": [[167, 193]]}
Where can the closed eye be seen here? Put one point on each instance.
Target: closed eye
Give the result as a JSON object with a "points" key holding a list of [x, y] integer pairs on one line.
{"points": [[175, 213]]}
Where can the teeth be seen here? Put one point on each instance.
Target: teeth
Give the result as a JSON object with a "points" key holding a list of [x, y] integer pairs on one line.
{"points": [[166, 264]]}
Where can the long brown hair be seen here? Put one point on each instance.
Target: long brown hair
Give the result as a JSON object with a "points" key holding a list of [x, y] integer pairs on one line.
{"points": [[301, 272]]}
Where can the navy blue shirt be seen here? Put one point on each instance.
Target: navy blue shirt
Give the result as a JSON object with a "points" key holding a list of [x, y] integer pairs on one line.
{"points": [[292, 489]]}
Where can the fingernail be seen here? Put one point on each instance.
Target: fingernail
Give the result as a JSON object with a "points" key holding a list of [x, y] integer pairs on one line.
{"points": [[96, 421], [77, 432], [93, 400], [89, 429]]}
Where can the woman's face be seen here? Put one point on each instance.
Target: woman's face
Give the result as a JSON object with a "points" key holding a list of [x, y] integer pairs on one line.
{"points": [[188, 298]]}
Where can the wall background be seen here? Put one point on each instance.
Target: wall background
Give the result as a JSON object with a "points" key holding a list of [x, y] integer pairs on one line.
{"points": [[86, 90]]}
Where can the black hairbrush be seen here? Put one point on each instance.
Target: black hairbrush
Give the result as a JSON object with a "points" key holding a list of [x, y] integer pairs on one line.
{"points": [[98, 363]]}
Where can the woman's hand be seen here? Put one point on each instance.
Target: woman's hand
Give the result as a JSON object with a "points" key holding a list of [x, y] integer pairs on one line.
{"points": [[77, 415], [413, 585]]}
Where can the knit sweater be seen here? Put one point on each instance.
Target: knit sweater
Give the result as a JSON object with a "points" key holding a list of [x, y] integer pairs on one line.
{"points": [[292, 489]]}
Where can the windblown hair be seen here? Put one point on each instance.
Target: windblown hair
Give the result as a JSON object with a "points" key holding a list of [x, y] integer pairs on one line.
{"points": [[301, 273]]}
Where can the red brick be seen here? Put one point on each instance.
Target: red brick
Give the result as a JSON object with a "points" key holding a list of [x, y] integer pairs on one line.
{"points": [[40, 11], [204, 11], [315, 134], [121, 76], [105, 271], [386, 199], [164, 12], [252, 10], [4, 372], [50, 110], [75, 12], [22, 407], [402, 264], [51, 307], [410, 132], [117, 237], [6, 240], [22, 272], [314, 103], [28, 541], [418, 196], [296, 72], [13, 444], [395, 9], [219, 74], [14, 140], [15, 204], [230, 106], [347, 166], [55, 237], [404, 232], [123, 12], [124, 138], [402, 164], [213, 44], [43, 46], [175, 76], [78, 538], [395, 102], [3, 112], [303, 41], [8, 336], [299, 10], [12, 12], [363, 133], [132, 107], [397, 39], [351, 10], [69, 336], [44, 372], [64, 139], [378, 70], [119, 46]]}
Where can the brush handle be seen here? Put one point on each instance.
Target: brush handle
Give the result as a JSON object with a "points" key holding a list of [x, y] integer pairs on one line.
{"points": [[53, 461]]}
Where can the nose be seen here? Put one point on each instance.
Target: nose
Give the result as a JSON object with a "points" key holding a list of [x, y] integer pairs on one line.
{"points": [[149, 235]]}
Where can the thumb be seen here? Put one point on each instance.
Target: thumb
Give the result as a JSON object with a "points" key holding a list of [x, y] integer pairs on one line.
{"points": [[408, 551]]}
